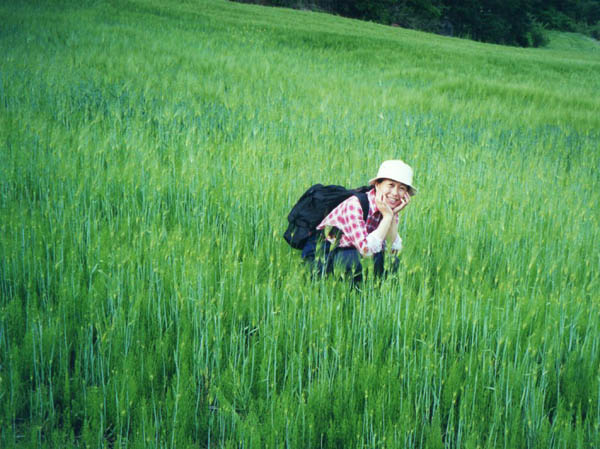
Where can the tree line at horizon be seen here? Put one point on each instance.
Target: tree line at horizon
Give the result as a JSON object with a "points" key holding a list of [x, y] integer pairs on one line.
{"points": [[509, 22]]}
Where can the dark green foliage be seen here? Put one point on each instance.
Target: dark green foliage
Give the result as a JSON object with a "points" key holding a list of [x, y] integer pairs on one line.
{"points": [[504, 22], [537, 35], [509, 22]]}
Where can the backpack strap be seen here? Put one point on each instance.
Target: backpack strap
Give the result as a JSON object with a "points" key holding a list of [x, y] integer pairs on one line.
{"points": [[364, 204]]}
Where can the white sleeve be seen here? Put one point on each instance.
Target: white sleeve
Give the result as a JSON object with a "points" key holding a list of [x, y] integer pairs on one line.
{"points": [[374, 244], [397, 245]]}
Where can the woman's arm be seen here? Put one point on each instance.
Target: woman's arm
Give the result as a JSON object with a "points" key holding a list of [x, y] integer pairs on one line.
{"points": [[388, 227], [392, 237]]}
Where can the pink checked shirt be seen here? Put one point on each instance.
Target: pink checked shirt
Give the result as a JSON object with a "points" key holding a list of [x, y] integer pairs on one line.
{"points": [[348, 218]]}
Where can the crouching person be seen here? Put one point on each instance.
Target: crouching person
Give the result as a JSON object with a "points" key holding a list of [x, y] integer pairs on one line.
{"points": [[347, 237]]}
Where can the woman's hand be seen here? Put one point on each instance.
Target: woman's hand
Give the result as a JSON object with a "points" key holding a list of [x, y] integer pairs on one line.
{"points": [[405, 200], [382, 205], [385, 208]]}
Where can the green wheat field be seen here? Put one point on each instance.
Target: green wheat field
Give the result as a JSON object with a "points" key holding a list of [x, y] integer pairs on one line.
{"points": [[149, 154]]}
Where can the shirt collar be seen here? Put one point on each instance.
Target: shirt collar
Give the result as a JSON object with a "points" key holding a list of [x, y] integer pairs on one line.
{"points": [[372, 202]]}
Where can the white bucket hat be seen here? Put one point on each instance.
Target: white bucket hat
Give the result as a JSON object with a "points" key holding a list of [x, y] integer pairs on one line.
{"points": [[396, 170]]}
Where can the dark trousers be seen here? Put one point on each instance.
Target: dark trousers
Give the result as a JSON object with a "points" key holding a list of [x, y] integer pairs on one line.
{"points": [[323, 260]]}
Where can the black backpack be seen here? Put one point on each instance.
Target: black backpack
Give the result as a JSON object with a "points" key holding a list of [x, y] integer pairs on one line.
{"points": [[314, 205]]}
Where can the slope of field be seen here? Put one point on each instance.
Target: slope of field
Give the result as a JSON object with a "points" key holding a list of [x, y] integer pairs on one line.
{"points": [[576, 42], [149, 154]]}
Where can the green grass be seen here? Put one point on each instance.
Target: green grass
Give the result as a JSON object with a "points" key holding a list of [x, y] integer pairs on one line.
{"points": [[575, 42], [149, 154]]}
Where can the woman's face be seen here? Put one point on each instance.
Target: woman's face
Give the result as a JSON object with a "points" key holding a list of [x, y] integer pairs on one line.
{"points": [[394, 192]]}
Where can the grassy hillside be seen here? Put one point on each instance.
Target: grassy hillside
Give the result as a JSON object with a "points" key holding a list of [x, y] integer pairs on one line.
{"points": [[573, 42], [149, 154]]}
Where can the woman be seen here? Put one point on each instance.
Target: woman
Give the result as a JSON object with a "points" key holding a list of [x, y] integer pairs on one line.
{"points": [[348, 237]]}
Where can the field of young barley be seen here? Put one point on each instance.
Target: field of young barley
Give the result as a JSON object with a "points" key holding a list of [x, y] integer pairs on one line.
{"points": [[149, 154]]}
